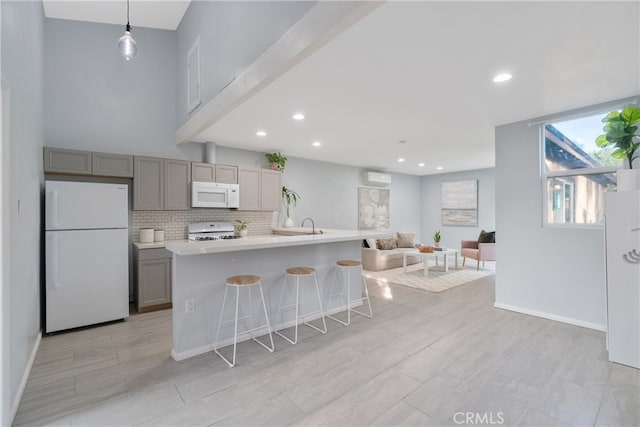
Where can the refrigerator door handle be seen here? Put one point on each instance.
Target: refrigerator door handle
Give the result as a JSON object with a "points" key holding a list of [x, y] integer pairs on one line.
{"points": [[54, 261], [54, 208]]}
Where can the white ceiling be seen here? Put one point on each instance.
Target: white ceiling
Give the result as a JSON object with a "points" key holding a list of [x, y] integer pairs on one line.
{"points": [[421, 72], [160, 14]]}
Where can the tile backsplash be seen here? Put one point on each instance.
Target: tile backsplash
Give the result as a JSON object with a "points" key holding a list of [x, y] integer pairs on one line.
{"points": [[174, 223]]}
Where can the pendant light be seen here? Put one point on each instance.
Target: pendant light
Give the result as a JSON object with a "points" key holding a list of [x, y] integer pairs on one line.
{"points": [[127, 45]]}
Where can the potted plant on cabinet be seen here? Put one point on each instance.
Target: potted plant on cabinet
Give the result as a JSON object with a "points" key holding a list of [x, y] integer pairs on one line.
{"points": [[241, 227], [290, 197], [621, 132], [436, 239], [276, 161]]}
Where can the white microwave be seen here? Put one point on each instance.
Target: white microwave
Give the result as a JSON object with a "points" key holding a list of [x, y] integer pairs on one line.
{"points": [[214, 195]]}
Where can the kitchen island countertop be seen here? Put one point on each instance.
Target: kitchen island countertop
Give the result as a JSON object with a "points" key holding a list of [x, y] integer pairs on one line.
{"points": [[186, 247]]}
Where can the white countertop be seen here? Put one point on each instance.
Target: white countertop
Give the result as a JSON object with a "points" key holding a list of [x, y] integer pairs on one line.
{"points": [[151, 245], [186, 247]]}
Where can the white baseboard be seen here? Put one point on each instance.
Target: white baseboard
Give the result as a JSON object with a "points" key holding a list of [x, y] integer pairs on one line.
{"points": [[177, 356], [25, 376], [549, 316]]}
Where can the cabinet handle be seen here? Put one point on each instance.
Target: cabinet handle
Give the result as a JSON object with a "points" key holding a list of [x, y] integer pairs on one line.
{"points": [[54, 261]]}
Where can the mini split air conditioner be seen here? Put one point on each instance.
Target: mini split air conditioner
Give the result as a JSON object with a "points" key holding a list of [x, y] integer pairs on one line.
{"points": [[377, 179]]}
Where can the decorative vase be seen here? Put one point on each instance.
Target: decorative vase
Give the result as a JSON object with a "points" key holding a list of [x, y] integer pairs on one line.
{"points": [[436, 244], [628, 179], [243, 233], [274, 166], [288, 222]]}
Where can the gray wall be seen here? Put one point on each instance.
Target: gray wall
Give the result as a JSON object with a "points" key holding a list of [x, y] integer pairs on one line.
{"points": [[95, 100], [22, 66], [431, 215], [232, 36], [554, 272], [330, 191]]}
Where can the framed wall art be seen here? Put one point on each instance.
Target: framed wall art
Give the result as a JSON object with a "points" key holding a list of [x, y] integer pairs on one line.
{"points": [[373, 208], [459, 202]]}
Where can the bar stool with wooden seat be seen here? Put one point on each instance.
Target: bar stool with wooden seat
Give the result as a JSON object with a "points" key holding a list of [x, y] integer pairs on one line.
{"points": [[237, 282], [346, 266], [298, 273]]}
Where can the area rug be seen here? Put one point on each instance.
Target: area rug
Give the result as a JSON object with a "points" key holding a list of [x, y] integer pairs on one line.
{"points": [[437, 281]]}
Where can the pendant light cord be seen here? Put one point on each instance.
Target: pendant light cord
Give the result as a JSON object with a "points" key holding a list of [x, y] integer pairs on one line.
{"points": [[128, 26]]}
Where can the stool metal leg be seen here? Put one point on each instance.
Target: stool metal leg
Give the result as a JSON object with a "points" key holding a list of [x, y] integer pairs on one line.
{"points": [[366, 292], [235, 332], [224, 301], [324, 322], [295, 335], [266, 316], [348, 322]]}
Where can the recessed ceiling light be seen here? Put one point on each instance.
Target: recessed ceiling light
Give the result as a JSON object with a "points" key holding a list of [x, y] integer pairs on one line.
{"points": [[316, 143], [401, 160], [439, 168], [298, 116], [421, 164], [261, 133], [503, 77]]}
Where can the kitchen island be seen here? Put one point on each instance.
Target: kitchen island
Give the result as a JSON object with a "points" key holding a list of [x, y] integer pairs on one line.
{"points": [[200, 269]]}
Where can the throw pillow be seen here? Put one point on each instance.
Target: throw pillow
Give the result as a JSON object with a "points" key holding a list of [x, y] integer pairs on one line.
{"points": [[373, 244], [386, 244], [487, 237], [405, 240]]}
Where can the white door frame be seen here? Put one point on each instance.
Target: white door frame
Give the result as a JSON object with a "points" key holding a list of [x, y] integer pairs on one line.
{"points": [[5, 391]]}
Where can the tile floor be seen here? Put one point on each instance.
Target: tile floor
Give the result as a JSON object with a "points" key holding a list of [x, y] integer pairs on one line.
{"points": [[424, 359]]}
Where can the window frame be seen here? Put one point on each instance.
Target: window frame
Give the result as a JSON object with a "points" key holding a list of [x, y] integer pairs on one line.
{"points": [[546, 174]]}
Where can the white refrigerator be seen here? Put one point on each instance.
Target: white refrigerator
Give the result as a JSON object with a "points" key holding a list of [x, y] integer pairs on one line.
{"points": [[86, 254]]}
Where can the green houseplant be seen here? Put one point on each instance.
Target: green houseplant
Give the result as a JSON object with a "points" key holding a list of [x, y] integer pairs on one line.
{"points": [[290, 197], [241, 227], [621, 132], [276, 161], [436, 238]]}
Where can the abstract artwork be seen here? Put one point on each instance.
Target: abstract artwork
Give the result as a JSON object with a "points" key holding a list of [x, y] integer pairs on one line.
{"points": [[460, 202], [373, 208]]}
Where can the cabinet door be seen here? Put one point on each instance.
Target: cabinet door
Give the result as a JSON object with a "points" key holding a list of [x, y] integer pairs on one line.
{"points": [[106, 164], [177, 178], [249, 180], [67, 161], [227, 174], [203, 172], [271, 190], [148, 184], [154, 284]]}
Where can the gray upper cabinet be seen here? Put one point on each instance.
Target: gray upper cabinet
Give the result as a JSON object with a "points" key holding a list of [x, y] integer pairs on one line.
{"points": [[214, 173], [107, 164], [148, 184], [271, 190], [227, 174], [250, 180], [57, 160], [203, 172], [177, 179]]}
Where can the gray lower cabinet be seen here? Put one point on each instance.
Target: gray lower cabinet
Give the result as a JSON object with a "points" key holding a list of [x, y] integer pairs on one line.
{"points": [[161, 184], [152, 290], [76, 162], [271, 190], [107, 164]]}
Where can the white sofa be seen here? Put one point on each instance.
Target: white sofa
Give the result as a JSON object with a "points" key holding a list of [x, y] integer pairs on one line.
{"points": [[377, 259]]}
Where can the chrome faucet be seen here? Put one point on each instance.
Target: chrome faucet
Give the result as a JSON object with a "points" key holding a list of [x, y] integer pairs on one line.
{"points": [[313, 225]]}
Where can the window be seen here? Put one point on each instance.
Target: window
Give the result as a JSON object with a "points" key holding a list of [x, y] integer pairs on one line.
{"points": [[576, 172]]}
